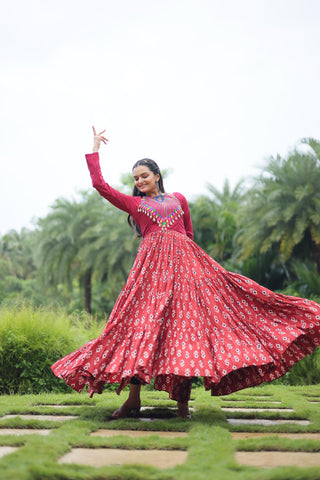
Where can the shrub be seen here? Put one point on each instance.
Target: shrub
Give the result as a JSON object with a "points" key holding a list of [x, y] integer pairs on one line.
{"points": [[31, 340], [304, 372]]}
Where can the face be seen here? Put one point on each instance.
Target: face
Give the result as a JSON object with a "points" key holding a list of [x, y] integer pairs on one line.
{"points": [[145, 180]]}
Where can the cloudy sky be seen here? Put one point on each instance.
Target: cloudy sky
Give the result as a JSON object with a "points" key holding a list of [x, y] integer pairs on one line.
{"points": [[209, 88]]}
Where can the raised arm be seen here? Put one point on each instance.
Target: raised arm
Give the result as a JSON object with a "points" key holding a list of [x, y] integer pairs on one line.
{"points": [[118, 199]]}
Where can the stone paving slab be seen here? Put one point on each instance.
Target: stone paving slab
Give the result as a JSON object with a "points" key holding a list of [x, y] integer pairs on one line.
{"points": [[259, 396], [264, 421], [6, 450], [146, 408], [292, 436], [24, 431], [101, 457], [136, 433], [145, 419], [153, 419], [55, 418], [278, 459], [249, 397], [245, 401], [192, 400], [244, 409], [61, 406]]}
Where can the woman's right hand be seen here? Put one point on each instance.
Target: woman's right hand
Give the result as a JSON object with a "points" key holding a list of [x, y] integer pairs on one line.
{"points": [[97, 139]]}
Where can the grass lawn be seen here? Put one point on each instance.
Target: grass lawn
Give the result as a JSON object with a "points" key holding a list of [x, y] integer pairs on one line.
{"points": [[210, 443]]}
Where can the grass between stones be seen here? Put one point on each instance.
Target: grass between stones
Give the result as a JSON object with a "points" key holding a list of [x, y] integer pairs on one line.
{"points": [[211, 449]]}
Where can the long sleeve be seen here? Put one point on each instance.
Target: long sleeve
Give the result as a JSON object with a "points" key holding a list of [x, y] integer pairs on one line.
{"points": [[186, 217], [118, 199]]}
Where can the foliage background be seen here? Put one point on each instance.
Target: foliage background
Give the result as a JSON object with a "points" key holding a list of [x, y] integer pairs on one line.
{"points": [[58, 280]]}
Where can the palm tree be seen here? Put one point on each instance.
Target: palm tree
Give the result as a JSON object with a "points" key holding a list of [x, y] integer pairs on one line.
{"points": [[108, 247], [215, 219], [283, 209], [59, 243], [84, 242], [228, 202], [204, 220], [16, 253]]}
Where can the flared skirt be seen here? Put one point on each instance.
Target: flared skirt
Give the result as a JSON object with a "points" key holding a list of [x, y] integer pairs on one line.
{"points": [[182, 315]]}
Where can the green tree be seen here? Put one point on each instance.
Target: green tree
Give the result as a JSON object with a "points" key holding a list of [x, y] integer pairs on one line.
{"points": [[81, 243], [215, 219], [283, 209], [60, 243], [109, 248], [16, 253], [17, 267]]}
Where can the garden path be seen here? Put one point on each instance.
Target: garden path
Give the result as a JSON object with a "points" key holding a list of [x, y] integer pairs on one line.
{"points": [[263, 435]]}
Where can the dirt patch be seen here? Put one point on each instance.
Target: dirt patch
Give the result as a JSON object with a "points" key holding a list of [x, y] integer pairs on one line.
{"points": [[100, 457], [278, 459]]}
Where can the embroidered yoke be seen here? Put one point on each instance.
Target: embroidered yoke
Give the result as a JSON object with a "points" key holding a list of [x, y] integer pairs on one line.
{"points": [[167, 211]]}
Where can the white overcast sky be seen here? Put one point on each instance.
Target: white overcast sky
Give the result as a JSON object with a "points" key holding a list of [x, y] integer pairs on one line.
{"points": [[209, 88]]}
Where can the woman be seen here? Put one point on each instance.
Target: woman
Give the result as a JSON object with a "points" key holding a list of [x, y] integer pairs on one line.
{"points": [[181, 315]]}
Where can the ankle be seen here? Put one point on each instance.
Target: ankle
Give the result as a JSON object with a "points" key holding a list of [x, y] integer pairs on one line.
{"points": [[183, 404], [183, 410]]}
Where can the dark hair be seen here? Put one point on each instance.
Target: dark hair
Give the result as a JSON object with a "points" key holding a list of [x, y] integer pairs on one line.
{"points": [[151, 164]]}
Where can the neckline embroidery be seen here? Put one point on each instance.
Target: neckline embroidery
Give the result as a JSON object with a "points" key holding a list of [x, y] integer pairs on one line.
{"points": [[164, 209]]}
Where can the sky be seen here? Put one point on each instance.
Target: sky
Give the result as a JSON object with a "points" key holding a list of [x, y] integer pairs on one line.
{"points": [[207, 88]]}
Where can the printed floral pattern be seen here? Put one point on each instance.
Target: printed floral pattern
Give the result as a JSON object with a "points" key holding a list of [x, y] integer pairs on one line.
{"points": [[181, 315]]}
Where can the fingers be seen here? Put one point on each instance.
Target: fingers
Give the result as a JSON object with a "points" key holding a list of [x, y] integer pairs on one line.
{"points": [[104, 139], [98, 138]]}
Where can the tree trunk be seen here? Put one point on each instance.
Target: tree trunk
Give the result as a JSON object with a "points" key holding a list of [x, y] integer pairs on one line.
{"points": [[87, 290]]}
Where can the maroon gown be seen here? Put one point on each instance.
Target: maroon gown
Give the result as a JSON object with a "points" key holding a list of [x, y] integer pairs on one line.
{"points": [[181, 315]]}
